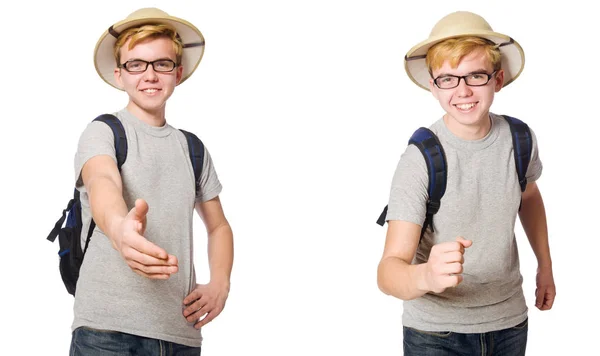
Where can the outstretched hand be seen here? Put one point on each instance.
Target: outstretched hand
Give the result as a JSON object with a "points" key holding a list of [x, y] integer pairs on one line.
{"points": [[141, 255]]}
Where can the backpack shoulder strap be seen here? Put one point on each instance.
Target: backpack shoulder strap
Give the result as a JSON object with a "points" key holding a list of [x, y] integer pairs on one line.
{"points": [[56, 230], [121, 153], [196, 149], [522, 147], [119, 134], [435, 160]]}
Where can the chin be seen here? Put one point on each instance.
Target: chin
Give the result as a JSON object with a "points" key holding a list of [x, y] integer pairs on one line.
{"points": [[150, 106]]}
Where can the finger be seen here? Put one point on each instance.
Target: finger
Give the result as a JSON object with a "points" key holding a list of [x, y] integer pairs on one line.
{"points": [[548, 301], [141, 209], [142, 245], [195, 306], [150, 270], [172, 260], [453, 256], [453, 268], [450, 246], [459, 279], [207, 319], [195, 313], [197, 293], [464, 242], [131, 254], [451, 280], [539, 297], [140, 228]]}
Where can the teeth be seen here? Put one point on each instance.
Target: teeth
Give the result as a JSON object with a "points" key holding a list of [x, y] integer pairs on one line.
{"points": [[465, 106], [150, 90]]}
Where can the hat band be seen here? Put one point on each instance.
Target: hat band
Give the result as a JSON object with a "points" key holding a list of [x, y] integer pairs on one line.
{"points": [[423, 56], [115, 34], [510, 41], [195, 44]]}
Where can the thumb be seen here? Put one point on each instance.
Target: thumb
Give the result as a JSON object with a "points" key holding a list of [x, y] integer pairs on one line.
{"points": [[466, 243], [139, 211]]}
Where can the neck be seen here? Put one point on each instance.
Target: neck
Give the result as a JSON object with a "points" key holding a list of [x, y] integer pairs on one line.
{"points": [[470, 132], [154, 118]]}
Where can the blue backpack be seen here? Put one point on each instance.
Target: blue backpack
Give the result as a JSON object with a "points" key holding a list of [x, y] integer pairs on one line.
{"points": [[70, 251], [437, 170]]}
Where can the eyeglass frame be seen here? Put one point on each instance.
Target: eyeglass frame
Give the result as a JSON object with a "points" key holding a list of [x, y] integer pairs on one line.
{"points": [[123, 65], [464, 78]]}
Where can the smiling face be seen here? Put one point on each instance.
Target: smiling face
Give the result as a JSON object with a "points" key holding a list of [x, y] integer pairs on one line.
{"points": [[468, 105], [149, 90]]}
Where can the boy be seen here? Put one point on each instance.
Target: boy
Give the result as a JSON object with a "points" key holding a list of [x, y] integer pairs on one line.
{"points": [[137, 293], [461, 281]]}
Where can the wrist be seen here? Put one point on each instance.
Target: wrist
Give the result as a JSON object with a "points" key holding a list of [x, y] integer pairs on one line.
{"points": [[221, 282], [115, 230], [544, 263], [544, 266], [420, 278]]}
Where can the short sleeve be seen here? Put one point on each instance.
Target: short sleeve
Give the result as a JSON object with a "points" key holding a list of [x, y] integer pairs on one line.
{"points": [[408, 194], [210, 186], [534, 170], [97, 139]]}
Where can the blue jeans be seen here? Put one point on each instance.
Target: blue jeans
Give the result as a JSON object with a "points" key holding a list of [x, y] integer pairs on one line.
{"points": [[506, 342], [93, 342]]}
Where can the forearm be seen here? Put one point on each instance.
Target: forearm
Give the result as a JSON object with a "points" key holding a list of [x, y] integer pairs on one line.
{"points": [[107, 205], [402, 280], [533, 219], [220, 254]]}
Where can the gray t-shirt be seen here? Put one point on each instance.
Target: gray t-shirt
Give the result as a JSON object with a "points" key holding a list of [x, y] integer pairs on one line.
{"points": [[481, 203], [110, 295]]}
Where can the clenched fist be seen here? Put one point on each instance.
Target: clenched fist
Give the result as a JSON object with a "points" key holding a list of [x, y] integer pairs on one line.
{"points": [[445, 265]]}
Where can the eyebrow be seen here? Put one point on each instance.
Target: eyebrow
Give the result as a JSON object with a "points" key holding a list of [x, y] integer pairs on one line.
{"points": [[478, 71]]}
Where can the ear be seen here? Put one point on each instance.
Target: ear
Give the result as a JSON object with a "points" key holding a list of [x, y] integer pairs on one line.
{"points": [[432, 89], [499, 80], [118, 79], [179, 74]]}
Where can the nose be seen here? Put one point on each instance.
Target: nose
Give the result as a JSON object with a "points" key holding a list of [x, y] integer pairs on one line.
{"points": [[150, 74], [463, 90]]}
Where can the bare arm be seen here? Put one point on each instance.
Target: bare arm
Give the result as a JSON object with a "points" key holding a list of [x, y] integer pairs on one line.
{"points": [[398, 277], [105, 190], [207, 301], [125, 229], [533, 219], [220, 240]]}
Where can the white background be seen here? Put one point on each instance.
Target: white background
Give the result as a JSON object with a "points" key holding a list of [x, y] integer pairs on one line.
{"points": [[306, 108]]}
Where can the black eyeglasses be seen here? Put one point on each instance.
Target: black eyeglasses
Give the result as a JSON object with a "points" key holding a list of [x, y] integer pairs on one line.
{"points": [[472, 80], [139, 66]]}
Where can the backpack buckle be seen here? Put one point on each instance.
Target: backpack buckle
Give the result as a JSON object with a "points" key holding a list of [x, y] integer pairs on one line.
{"points": [[433, 207]]}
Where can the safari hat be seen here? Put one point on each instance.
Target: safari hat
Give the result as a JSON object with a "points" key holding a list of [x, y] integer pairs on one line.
{"points": [[191, 37], [460, 24]]}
